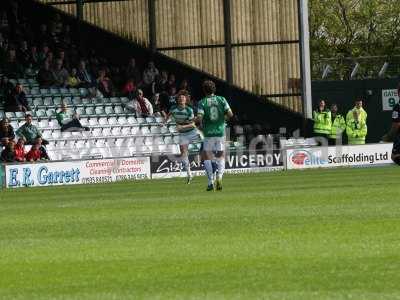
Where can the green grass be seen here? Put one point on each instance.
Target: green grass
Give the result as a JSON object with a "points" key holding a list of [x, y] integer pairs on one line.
{"points": [[320, 234]]}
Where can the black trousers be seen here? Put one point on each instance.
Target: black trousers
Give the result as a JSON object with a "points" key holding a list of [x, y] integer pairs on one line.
{"points": [[71, 125]]}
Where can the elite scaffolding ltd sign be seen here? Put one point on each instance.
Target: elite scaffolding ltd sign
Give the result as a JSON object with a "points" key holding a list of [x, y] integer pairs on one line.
{"points": [[329, 157]]}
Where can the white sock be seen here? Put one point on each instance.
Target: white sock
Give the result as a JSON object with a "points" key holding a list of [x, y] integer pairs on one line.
{"points": [[209, 171], [221, 167], [186, 165]]}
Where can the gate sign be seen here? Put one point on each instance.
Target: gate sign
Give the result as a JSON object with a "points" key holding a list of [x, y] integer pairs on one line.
{"points": [[389, 99]]}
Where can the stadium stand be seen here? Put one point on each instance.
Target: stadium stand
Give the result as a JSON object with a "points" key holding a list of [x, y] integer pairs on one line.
{"points": [[114, 130]]}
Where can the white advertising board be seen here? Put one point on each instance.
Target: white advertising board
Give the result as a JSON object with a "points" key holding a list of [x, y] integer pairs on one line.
{"points": [[340, 156], [77, 172]]}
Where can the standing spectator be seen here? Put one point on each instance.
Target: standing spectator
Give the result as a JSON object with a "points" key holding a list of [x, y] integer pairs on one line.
{"points": [[60, 74], [8, 154], [84, 76], [141, 105], [17, 100], [338, 126], [360, 110], [68, 121], [149, 76], [29, 131], [73, 80], [322, 121], [20, 150], [6, 132], [46, 77], [132, 71], [356, 129], [104, 84], [129, 89]]}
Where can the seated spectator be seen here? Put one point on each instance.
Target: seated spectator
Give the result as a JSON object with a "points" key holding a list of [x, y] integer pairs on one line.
{"points": [[66, 37], [68, 121], [42, 149], [46, 77], [60, 73], [6, 131], [6, 87], [171, 82], [140, 105], [29, 131], [132, 71], [24, 54], [43, 54], [160, 84], [17, 100], [34, 154], [155, 101], [42, 36], [149, 76], [20, 150], [73, 80], [163, 104], [34, 57], [61, 55], [185, 86], [104, 84], [8, 154], [84, 76], [129, 89], [172, 96], [12, 68]]}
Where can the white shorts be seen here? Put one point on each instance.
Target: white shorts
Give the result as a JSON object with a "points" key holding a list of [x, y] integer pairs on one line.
{"points": [[190, 137], [214, 144]]}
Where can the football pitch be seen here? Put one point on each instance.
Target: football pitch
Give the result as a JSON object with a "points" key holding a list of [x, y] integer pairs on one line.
{"points": [[320, 234]]}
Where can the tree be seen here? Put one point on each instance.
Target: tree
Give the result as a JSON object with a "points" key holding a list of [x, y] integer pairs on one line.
{"points": [[354, 28]]}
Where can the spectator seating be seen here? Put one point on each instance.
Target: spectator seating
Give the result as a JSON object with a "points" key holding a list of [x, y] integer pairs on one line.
{"points": [[114, 132]]}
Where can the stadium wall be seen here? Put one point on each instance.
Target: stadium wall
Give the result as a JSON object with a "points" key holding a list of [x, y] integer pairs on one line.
{"points": [[379, 96]]}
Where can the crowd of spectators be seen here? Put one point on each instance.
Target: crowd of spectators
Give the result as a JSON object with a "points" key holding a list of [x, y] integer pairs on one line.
{"points": [[50, 54]]}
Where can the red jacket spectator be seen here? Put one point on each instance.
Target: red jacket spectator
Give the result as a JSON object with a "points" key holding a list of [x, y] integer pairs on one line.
{"points": [[34, 154], [20, 151]]}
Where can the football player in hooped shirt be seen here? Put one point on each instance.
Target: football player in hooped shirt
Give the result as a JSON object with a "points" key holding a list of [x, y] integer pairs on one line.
{"points": [[212, 112], [188, 133]]}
